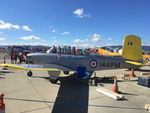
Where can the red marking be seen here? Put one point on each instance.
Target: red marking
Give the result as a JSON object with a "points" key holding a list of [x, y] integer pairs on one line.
{"points": [[129, 43], [93, 63], [58, 57]]}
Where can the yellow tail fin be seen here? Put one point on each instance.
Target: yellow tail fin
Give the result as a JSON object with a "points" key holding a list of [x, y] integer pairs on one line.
{"points": [[132, 49]]}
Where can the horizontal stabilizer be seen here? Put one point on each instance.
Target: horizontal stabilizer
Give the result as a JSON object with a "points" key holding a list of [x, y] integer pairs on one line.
{"points": [[27, 67], [134, 63]]}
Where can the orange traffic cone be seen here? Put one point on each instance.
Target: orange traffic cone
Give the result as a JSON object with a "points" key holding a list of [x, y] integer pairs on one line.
{"points": [[2, 105], [115, 87], [132, 73]]}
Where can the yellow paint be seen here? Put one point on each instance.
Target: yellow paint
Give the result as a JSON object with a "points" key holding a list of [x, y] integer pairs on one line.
{"points": [[146, 56], [11, 66], [105, 52], [134, 63], [132, 49], [100, 51]]}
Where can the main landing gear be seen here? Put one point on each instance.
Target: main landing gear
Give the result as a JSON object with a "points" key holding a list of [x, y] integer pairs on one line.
{"points": [[93, 81], [66, 72], [53, 76], [54, 81], [29, 73]]}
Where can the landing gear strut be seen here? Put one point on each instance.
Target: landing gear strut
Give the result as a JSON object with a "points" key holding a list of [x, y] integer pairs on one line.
{"points": [[30, 73], [53, 76], [93, 81]]}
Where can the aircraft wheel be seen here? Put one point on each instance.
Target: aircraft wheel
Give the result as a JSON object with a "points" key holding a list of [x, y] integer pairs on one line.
{"points": [[66, 72], [53, 81], [30, 73], [92, 82]]}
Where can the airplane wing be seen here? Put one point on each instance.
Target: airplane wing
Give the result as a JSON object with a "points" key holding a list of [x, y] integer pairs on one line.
{"points": [[36, 67], [134, 63]]}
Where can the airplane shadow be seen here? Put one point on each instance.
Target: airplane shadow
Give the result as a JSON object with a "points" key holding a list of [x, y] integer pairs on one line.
{"points": [[103, 80], [107, 80], [129, 94], [72, 96], [2, 77], [3, 73], [6, 72], [144, 70]]}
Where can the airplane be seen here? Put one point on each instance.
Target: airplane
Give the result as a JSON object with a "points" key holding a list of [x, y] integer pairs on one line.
{"points": [[104, 51], [107, 51], [66, 60]]}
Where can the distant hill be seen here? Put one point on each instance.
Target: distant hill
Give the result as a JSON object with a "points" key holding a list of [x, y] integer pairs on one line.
{"points": [[145, 48], [25, 46]]}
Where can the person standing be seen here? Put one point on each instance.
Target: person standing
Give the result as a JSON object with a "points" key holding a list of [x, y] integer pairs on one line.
{"points": [[12, 57], [20, 56], [15, 57]]}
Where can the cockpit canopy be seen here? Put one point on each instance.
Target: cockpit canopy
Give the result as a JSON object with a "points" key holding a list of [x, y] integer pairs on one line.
{"points": [[69, 50]]}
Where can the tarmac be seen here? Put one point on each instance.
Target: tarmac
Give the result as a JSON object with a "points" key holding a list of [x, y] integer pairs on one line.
{"points": [[70, 95]]}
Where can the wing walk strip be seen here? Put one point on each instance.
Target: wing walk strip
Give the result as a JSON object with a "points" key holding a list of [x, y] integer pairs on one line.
{"points": [[11, 66]]}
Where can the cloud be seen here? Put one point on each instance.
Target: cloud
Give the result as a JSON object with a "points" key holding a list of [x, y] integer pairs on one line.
{"points": [[96, 38], [53, 30], [78, 41], [2, 39], [32, 37], [65, 33], [4, 25], [1, 32], [26, 28], [80, 13]]}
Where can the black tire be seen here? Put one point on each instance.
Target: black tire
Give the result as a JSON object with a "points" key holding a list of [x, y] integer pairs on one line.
{"points": [[53, 81], [29, 73], [66, 72]]}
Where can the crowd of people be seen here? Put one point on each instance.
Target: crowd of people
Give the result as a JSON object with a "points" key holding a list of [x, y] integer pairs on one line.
{"points": [[15, 56]]}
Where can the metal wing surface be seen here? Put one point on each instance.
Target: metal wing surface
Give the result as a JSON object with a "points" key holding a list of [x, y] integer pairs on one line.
{"points": [[41, 67]]}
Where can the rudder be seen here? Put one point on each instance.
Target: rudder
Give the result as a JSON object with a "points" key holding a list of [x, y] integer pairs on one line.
{"points": [[132, 49]]}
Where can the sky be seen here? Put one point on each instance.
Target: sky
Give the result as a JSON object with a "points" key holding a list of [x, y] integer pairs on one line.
{"points": [[73, 22]]}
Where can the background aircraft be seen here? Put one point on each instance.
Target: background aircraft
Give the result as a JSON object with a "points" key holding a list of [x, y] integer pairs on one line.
{"points": [[66, 59], [111, 52]]}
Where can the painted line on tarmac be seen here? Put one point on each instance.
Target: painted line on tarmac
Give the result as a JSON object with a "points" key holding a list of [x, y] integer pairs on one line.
{"points": [[76, 104]]}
